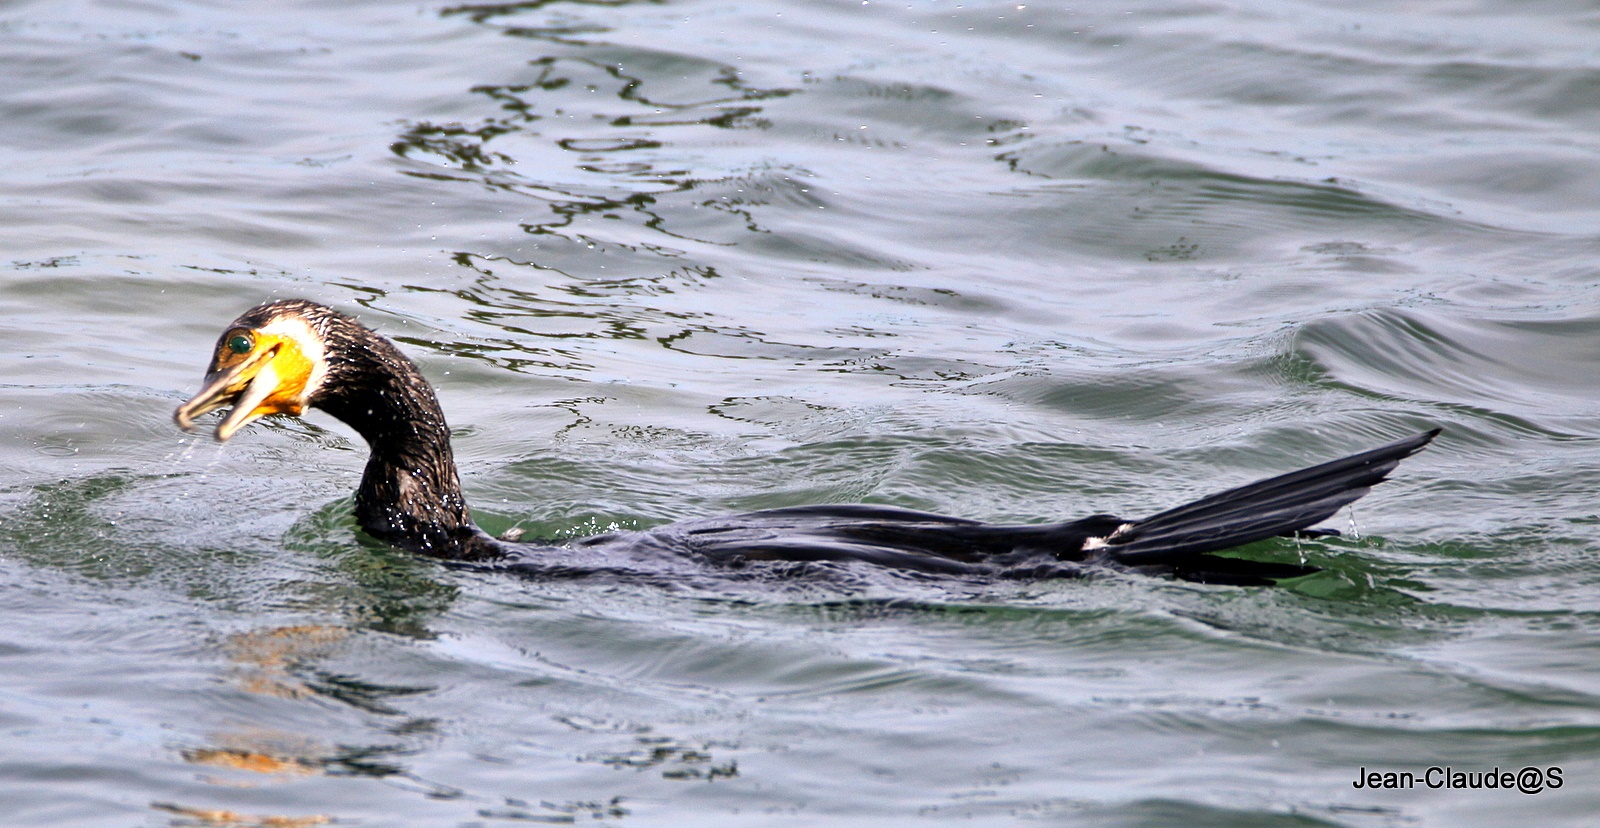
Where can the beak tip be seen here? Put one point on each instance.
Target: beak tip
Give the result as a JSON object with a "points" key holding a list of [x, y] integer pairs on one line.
{"points": [[245, 386]]}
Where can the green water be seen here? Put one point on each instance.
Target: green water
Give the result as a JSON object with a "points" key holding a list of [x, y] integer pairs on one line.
{"points": [[1010, 261]]}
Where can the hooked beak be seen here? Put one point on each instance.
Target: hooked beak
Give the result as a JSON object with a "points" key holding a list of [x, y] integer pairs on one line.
{"points": [[245, 386]]}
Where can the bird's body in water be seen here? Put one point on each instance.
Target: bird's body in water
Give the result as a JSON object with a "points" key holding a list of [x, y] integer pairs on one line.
{"points": [[287, 356]]}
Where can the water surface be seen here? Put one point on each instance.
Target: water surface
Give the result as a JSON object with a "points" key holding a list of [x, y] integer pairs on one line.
{"points": [[1012, 261]]}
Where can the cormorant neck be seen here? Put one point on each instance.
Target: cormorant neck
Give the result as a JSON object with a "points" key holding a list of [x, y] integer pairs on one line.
{"points": [[410, 493]]}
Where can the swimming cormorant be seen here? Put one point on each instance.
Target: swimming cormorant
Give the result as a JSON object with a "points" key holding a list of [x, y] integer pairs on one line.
{"points": [[284, 357]]}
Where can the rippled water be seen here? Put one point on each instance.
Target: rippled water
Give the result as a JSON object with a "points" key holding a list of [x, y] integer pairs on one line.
{"points": [[1013, 261]]}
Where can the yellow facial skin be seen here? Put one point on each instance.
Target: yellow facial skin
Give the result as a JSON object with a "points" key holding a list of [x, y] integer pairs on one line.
{"points": [[258, 372]]}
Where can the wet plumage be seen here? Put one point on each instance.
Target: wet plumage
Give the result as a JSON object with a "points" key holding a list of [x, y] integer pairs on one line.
{"points": [[284, 357]]}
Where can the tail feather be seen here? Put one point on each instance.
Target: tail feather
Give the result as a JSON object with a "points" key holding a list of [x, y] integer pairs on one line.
{"points": [[1260, 510]]}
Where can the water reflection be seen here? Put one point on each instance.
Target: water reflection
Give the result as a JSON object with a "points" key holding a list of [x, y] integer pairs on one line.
{"points": [[223, 818], [481, 12], [267, 658], [678, 759], [603, 175], [284, 663], [64, 524]]}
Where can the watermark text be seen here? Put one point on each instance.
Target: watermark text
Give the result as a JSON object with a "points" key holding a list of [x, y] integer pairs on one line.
{"points": [[1529, 780]]}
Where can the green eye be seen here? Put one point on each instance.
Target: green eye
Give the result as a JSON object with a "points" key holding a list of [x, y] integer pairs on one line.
{"points": [[240, 343]]}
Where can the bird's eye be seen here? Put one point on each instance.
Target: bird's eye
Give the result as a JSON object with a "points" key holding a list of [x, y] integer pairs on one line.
{"points": [[240, 343]]}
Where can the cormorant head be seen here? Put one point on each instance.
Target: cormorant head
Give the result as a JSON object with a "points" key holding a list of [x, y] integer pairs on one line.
{"points": [[271, 360]]}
